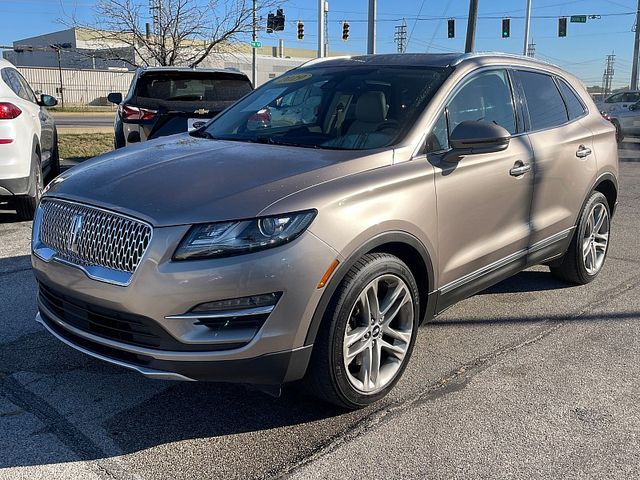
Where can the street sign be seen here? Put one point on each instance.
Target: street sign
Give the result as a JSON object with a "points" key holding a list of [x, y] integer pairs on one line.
{"points": [[256, 44], [578, 19]]}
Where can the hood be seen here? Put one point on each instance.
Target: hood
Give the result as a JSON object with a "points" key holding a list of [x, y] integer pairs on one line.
{"points": [[181, 179]]}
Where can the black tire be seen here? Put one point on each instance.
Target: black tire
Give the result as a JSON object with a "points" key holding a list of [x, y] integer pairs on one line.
{"points": [[572, 268], [327, 375], [26, 204], [619, 134], [54, 162]]}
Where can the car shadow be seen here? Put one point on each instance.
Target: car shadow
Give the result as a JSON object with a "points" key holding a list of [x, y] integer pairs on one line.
{"points": [[527, 281]]}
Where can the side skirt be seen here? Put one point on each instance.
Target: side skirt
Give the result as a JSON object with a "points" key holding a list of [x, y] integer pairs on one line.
{"points": [[540, 252]]}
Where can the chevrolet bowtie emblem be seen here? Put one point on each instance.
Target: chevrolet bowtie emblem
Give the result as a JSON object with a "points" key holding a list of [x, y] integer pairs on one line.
{"points": [[76, 228], [201, 111]]}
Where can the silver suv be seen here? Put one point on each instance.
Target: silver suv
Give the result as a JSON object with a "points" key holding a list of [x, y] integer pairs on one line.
{"points": [[264, 251]]}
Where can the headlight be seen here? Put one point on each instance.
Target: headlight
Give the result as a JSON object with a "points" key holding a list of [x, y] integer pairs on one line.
{"points": [[224, 239]]}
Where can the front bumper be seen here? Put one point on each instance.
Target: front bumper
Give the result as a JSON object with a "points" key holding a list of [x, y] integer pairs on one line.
{"points": [[162, 288]]}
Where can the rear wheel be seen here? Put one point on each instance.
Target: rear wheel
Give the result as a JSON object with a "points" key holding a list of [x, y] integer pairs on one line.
{"points": [[589, 246], [54, 169], [367, 334], [26, 204]]}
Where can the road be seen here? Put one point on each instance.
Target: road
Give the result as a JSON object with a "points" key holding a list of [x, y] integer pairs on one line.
{"points": [[529, 379], [66, 121]]}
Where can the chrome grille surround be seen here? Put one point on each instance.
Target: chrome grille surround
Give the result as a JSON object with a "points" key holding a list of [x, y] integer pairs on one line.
{"points": [[107, 245]]}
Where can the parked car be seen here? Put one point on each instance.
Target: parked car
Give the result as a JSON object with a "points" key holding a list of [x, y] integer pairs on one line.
{"points": [[28, 142], [314, 250], [626, 121], [167, 100], [619, 101]]}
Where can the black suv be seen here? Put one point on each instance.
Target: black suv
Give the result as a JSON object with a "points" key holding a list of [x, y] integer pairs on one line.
{"points": [[166, 100]]}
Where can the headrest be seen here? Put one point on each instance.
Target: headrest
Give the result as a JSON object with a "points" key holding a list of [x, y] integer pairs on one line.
{"points": [[371, 107]]}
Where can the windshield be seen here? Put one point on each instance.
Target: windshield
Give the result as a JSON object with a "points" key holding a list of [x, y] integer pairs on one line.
{"points": [[354, 108], [192, 86]]}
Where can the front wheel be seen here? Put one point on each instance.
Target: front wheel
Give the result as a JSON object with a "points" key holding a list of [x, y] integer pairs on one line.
{"points": [[367, 334], [586, 254]]}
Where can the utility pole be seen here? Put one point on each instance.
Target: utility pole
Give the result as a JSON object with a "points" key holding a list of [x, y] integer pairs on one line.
{"points": [[371, 34], [401, 36], [636, 51], [527, 25], [254, 51], [531, 50], [471, 26], [607, 76], [321, 29]]}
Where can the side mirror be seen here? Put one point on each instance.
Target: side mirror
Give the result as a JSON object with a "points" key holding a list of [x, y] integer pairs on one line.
{"points": [[633, 106], [115, 97], [47, 101], [133, 137], [479, 137]]}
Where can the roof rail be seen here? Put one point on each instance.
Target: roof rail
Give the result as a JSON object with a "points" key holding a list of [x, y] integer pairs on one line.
{"points": [[315, 61], [468, 56]]}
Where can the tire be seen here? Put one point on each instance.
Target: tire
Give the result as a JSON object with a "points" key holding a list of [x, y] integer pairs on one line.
{"points": [[26, 204], [619, 134], [588, 249], [54, 170], [345, 380]]}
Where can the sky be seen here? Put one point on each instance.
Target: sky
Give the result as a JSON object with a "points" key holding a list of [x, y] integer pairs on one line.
{"points": [[582, 52]]}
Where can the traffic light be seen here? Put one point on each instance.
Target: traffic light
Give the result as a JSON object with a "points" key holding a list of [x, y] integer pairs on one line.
{"points": [[300, 30], [506, 27], [345, 31], [451, 28], [562, 27], [275, 23]]}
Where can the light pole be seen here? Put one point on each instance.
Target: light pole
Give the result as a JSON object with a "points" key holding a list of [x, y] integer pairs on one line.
{"points": [[321, 29], [371, 34], [527, 24], [471, 26]]}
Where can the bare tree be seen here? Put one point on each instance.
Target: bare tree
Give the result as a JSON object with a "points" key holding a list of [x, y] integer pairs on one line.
{"points": [[167, 32]]}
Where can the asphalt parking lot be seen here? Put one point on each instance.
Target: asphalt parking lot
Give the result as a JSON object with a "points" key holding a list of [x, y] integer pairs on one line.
{"points": [[529, 379]]}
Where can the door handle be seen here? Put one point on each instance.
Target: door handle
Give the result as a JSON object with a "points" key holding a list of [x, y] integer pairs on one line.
{"points": [[583, 152], [519, 168]]}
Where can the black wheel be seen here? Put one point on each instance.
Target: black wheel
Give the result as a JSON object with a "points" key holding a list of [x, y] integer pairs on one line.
{"points": [[586, 254], [26, 204], [367, 334], [54, 163], [619, 134]]}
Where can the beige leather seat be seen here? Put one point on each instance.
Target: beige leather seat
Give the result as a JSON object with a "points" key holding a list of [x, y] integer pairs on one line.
{"points": [[371, 113]]}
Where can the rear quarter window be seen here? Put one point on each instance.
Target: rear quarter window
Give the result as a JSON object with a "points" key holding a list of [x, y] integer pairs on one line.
{"points": [[574, 105], [544, 103]]}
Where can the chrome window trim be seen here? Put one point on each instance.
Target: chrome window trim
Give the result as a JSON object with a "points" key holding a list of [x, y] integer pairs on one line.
{"points": [[94, 272]]}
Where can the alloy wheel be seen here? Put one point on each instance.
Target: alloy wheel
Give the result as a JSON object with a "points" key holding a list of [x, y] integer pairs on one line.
{"points": [[595, 239], [378, 334]]}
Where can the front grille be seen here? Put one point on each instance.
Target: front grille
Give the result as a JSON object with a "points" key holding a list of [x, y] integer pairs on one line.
{"points": [[88, 236]]}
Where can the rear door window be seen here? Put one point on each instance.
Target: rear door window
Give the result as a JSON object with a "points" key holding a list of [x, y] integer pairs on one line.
{"points": [[574, 105], [544, 102]]}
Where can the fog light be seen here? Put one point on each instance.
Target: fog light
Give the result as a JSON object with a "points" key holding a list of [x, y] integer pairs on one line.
{"points": [[263, 300]]}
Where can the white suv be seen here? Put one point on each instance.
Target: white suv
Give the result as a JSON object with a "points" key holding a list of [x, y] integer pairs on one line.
{"points": [[28, 142]]}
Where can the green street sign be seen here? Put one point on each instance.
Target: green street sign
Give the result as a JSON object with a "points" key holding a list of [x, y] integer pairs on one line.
{"points": [[578, 19], [256, 44]]}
